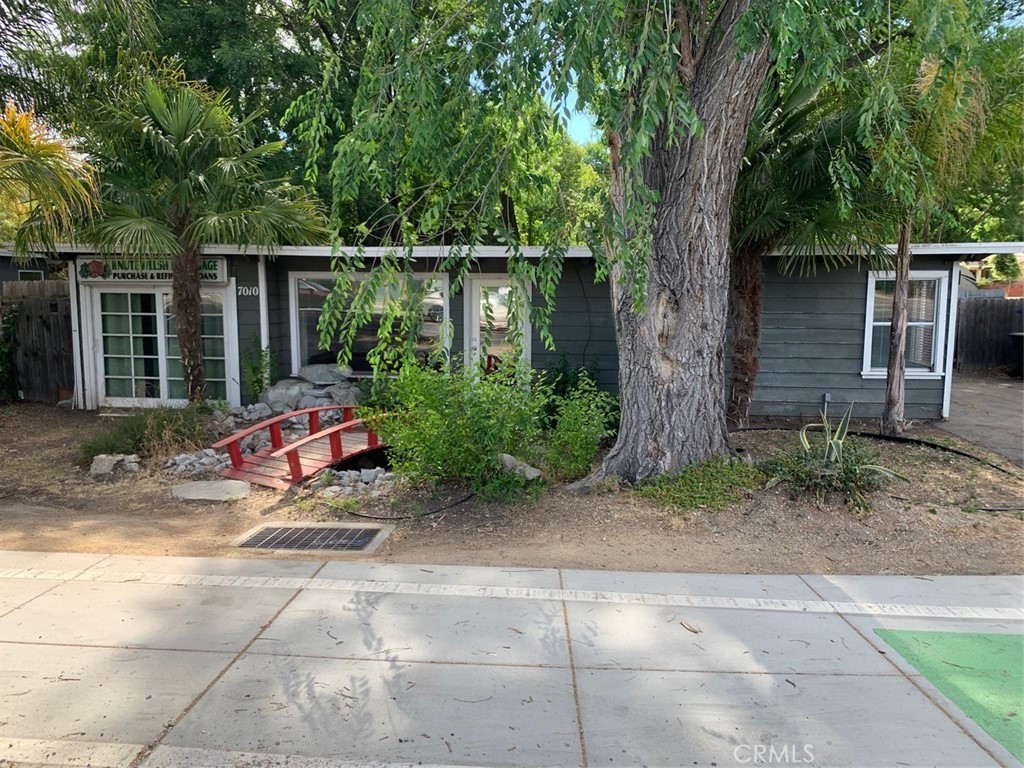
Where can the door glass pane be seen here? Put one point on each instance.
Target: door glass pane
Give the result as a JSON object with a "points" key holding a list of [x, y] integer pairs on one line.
{"points": [[212, 330], [492, 334], [118, 387], [116, 324], [131, 366], [113, 302], [119, 366], [213, 326], [144, 325], [213, 347], [117, 345]]}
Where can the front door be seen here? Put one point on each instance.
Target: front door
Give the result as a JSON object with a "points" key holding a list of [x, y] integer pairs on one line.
{"points": [[138, 360], [489, 340]]}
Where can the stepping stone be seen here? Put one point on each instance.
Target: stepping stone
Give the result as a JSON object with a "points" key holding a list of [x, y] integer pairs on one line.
{"points": [[212, 490]]}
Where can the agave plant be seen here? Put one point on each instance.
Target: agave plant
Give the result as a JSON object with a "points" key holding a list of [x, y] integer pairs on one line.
{"points": [[842, 468], [833, 456]]}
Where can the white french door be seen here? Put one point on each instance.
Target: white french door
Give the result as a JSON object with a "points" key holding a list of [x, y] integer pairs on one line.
{"points": [[488, 310], [138, 362]]}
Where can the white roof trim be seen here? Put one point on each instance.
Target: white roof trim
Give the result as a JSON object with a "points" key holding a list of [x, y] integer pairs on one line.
{"points": [[534, 251], [326, 251]]}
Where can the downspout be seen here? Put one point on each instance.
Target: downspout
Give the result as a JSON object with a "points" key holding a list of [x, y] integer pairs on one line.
{"points": [[264, 305], [954, 297], [76, 334]]}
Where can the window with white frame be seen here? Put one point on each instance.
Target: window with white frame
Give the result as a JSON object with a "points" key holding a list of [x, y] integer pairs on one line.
{"points": [[926, 323], [309, 293], [30, 274]]}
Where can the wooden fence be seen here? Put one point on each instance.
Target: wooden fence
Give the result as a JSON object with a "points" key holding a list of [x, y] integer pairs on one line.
{"points": [[983, 331], [43, 362]]}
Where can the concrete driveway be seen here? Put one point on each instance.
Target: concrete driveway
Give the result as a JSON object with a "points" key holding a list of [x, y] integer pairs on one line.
{"points": [[160, 662], [989, 411]]}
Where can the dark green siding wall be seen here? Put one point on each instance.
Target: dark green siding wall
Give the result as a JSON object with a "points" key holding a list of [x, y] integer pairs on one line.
{"points": [[582, 326], [812, 343]]}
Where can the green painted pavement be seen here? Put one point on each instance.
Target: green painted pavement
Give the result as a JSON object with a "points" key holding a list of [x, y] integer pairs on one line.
{"points": [[983, 674]]}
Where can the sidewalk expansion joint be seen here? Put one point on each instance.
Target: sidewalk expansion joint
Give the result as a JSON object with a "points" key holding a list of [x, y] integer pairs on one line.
{"points": [[575, 683], [148, 750]]}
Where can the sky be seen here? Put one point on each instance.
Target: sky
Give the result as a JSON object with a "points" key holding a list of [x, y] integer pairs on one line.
{"points": [[581, 125], [582, 129]]}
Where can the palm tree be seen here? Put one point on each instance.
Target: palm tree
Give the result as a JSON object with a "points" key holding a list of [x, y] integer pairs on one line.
{"points": [[787, 199], [934, 120], [177, 172], [46, 188]]}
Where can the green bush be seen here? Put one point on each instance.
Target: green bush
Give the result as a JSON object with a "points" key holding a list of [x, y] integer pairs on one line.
{"points": [[450, 425], [832, 464], [152, 433], [582, 419], [714, 484], [257, 371]]}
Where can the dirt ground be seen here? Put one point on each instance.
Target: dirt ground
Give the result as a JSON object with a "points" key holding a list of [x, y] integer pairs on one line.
{"points": [[945, 521]]}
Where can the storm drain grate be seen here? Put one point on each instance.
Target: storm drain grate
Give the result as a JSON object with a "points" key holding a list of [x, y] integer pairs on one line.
{"points": [[341, 538]]}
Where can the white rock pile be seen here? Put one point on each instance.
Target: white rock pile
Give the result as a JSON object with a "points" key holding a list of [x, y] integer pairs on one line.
{"points": [[332, 483]]}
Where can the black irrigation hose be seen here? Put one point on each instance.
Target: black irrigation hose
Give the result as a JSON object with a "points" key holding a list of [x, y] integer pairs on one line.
{"points": [[412, 517], [894, 439]]}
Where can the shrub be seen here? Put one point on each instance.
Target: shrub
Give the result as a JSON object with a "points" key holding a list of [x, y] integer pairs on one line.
{"points": [[833, 464], [582, 418], [714, 484], [450, 425], [257, 370], [152, 433]]}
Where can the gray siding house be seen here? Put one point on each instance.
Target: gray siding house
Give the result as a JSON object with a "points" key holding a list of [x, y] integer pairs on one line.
{"points": [[824, 335], [15, 272]]}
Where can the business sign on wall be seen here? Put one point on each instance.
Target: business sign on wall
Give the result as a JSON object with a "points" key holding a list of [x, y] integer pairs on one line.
{"points": [[149, 269]]}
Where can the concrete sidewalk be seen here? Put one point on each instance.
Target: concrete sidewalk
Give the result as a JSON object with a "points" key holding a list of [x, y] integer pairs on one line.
{"points": [[159, 662]]}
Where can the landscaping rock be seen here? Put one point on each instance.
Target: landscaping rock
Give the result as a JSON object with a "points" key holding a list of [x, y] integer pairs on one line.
{"points": [[324, 374], [344, 394], [260, 412], [314, 402], [368, 475], [283, 396], [211, 490], [512, 464], [105, 464]]}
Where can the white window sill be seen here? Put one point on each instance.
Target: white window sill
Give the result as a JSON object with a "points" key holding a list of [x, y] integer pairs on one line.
{"points": [[909, 375]]}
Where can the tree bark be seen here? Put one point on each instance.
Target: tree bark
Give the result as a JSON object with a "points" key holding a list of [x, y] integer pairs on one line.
{"points": [[745, 299], [188, 309], [671, 356], [893, 422]]}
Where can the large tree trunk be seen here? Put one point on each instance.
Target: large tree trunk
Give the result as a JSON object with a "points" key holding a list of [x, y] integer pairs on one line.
{"points": [[745, 299], [893, 421], [188, 308], [671, 356]]}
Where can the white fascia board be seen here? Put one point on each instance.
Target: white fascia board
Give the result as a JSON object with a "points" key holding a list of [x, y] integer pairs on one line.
{"points": [[326, 251]]}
